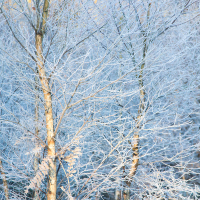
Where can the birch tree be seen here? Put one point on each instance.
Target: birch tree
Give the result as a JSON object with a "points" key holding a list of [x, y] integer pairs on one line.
{"points": [[89, 103]]}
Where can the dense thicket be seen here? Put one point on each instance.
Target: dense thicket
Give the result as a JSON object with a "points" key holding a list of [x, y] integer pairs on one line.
{"points": [[99, 99]]}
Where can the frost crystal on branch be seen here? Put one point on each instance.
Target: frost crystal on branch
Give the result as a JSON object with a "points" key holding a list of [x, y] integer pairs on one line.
{"points": [[99, 99]]}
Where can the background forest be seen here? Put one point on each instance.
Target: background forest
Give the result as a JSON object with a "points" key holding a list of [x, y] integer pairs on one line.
{"points": [[99, 99]]}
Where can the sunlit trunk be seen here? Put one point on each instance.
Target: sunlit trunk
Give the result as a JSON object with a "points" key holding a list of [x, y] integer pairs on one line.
{"points": [[5, 184], [136, 137], [41, 26], [49, 118]]}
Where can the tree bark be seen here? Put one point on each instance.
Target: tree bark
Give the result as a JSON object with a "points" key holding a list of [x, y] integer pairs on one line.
{"points": [[49, 118], [5, 184], [136, 137], [41, 26]]}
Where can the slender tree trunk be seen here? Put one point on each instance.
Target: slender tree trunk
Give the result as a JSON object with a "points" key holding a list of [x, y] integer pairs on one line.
{"points": [[41, 26], [49, 118], [136, 137], [5, 184], [135, 145]]}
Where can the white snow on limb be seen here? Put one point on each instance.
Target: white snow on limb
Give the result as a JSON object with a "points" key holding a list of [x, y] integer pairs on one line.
{"points": [[35, 150], [40, 175], [66, 192], [77, 151]]}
